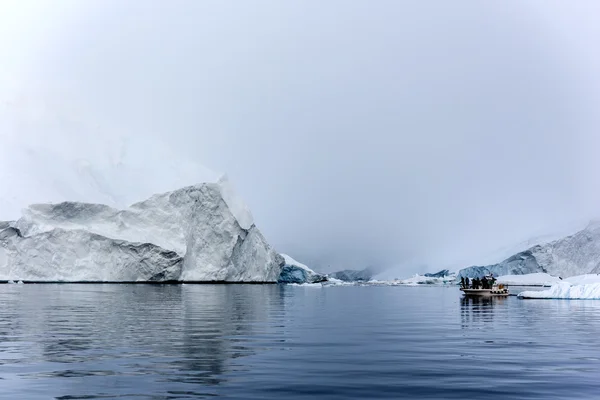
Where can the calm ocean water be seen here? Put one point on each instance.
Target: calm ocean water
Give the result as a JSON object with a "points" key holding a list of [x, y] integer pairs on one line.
{"points": [[284, 342]]}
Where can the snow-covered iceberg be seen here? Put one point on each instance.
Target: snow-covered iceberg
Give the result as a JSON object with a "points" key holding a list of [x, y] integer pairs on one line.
{"points": [[573, 255], [294, 272], [197, 233], [565, 290]]}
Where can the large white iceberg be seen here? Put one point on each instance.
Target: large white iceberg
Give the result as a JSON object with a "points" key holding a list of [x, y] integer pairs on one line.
{"points": [[565, 290], [198, 233]]}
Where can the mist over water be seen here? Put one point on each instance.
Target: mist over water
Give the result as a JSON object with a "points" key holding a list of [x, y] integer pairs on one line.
{"points": [[396, 135]]}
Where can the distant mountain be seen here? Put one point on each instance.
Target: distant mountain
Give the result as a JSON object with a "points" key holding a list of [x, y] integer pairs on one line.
{"points": [[576, 254], [349, 275]]}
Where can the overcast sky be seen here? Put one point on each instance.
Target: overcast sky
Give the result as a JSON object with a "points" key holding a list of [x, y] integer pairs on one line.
{"points": [[407, 134]]}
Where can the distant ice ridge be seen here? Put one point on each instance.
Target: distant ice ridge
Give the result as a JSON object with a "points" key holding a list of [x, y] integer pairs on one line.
{"points": [[197, 233], [572, 255]]}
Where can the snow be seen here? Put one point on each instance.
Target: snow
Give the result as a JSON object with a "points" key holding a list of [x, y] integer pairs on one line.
{"points": [[565, 290], [191, 234], [536, 279]]}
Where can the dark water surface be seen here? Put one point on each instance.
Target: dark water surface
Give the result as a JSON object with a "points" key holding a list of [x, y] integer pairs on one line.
{"points": [[284, 342]]}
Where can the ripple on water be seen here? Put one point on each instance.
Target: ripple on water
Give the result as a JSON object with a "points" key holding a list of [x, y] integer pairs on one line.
{"points": [[252, 341]]}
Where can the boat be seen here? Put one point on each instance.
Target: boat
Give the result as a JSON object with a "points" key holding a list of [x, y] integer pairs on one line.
{"points": [[496, 290]]}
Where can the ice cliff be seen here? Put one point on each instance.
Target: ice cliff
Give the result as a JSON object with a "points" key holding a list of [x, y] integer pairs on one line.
{"points": [[573, 255], [197, 233]]}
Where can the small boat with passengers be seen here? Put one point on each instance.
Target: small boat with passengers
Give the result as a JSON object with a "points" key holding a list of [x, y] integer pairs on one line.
{"points": [[485, 286]]}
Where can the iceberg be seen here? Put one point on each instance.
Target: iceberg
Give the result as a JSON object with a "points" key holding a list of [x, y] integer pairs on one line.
{"points": [[200, 233], [565, 290], [294, 272]]}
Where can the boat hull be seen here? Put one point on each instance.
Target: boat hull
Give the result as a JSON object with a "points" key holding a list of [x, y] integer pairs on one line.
{"points": [[485, 292]]}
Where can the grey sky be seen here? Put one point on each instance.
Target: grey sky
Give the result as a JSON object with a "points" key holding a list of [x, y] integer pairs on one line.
{"points": [[393, 133]]}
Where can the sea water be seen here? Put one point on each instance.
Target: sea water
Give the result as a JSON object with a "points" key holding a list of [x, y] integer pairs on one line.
{"points": [[289, 342]]}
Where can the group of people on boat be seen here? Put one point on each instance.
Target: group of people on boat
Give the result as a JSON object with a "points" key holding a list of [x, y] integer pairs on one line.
{"points": [[484, 283]]}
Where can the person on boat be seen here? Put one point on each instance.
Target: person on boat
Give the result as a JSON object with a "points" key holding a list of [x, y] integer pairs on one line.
{"points": [[462, 282], [467, 282], [484, 283]]}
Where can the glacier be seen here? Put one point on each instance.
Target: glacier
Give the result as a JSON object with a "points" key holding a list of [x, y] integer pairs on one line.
{"points": [[200, 233], [576, 254]]}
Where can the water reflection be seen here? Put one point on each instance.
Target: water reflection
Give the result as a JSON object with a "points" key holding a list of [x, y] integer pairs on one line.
{"points": [[479, 309], [145, 339]]}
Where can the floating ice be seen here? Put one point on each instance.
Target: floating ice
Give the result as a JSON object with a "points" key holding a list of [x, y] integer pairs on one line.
{"points": [[565, 290]]}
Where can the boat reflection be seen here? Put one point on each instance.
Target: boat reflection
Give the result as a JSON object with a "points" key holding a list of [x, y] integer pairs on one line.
{"points": [[478, 309]]}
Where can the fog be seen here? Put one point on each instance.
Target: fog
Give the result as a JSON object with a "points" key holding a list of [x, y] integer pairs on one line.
{"points": [[405, 135]]}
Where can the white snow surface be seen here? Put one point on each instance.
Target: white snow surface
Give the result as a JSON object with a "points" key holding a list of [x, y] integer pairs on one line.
{"points": [[565, 290], [191, 234], [536, 279]]}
